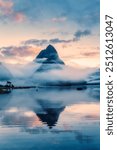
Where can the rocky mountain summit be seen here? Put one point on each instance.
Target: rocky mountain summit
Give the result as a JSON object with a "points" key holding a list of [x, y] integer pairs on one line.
{"points": [[49, 59], [51, 55]]}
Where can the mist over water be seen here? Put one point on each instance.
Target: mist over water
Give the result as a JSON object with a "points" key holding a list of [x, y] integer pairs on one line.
{"points": [[28, 75]]}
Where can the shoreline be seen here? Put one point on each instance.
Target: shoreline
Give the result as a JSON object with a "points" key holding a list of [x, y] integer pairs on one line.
{"points": [[46, 86]]}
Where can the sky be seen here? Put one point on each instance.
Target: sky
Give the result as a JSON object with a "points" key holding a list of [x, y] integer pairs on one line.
{"points": [[71, 26]]}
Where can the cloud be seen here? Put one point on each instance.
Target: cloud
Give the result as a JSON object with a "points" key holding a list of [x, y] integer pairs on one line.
{"points": [[43, 42], [35, 42], [6, 4], [33, 46], [57, 40], [5, 7], [77, 36], [7, 12], [19, 17], [21, 51], [90, 54], [80, 34], [81, 12], [59, 20]]}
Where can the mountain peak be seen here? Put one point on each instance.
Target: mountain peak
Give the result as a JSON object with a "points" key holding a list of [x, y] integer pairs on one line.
{"points": [[51, 61], [51, 48], [51, 55]]}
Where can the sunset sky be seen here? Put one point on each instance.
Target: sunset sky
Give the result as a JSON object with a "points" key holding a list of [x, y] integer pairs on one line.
{"points": [[71, 26]]}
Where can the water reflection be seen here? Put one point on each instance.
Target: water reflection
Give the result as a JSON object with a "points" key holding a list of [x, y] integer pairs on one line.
{"points": [[36, 117], [51, 115]]}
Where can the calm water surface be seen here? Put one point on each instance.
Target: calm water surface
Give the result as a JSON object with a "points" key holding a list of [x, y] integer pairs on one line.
{"points": [[50, 119]]}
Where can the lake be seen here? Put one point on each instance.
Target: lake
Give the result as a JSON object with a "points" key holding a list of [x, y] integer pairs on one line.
{"points": [[50, 118]]}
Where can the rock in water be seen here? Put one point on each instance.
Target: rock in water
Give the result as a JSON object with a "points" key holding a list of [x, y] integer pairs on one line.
{"points": [[50, 59]]}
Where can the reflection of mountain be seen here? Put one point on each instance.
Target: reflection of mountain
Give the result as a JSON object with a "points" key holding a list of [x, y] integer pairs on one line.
{"points": [[44, 105], [51, 115], [51, 111], [46, 113]]}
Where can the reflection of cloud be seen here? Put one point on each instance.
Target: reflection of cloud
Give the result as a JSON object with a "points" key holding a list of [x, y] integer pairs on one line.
{"points": [[85, 111], [37, 130], [15, 116], [84, 138], [92, 117]]}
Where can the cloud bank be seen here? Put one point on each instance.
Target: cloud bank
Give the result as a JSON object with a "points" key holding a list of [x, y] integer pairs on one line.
{"points": [[82, 12]]}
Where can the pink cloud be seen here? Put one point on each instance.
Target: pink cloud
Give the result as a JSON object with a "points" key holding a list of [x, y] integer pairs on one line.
{"points": [[6, 7], [6, 4], [21, 51], [19, 17]]}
